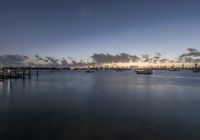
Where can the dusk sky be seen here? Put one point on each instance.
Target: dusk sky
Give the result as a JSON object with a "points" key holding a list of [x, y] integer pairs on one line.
{"points": [[79, 28]]}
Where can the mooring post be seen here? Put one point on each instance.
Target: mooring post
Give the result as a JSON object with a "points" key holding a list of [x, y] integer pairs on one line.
{"points": [[29, 72]]}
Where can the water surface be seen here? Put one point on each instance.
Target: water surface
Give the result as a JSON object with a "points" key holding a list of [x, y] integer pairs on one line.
{"points": [[105, 105]]}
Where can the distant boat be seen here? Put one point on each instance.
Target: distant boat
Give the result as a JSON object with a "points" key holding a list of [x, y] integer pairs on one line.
{"points": [[144, 71], [173, 69], [51, 71], [119, 70], [89, 71], [196, 70]]}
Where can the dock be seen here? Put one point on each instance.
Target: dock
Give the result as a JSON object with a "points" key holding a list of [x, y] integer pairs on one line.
{"points": [[14, 73]]}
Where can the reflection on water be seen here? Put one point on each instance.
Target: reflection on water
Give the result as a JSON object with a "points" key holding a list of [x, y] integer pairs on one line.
{"points": [[5, 93], [1, 87], [101, 105]]}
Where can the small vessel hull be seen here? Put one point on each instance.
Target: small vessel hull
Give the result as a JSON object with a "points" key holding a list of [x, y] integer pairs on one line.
{"points": [[145, 72], [196, 70], [89, 71]]}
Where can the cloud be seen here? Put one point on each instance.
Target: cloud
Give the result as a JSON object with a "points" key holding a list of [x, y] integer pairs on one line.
{"points": [[64, 63], [190, 53], [14, 60], [53, 62], [191, 56], [146, 58], [108, 58], [158, 54], [188, 59], [164, 60], [156, 58], [40, 58]]}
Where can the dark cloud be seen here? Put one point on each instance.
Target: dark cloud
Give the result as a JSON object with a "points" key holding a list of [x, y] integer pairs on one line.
{"points": [[164, 60], [158, 54], [108, 58], [188, 59], [53, 62], [146, 58], [25, 57], [156, 58], [134, 58], [64, 63], [13, 60], [190, 53], [40, 58]]}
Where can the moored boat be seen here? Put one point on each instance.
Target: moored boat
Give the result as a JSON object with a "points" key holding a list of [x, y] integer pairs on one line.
{"points": [[119, 70], [173, 69], [196, 70], [89, 71], [144, 71], [51, 71]]}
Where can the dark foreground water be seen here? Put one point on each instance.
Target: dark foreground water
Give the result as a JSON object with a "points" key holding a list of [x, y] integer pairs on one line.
{"points": [[105, 105]]}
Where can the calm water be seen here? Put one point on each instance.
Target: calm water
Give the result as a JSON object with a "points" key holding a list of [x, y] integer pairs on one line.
{"points": [[105, 105]]}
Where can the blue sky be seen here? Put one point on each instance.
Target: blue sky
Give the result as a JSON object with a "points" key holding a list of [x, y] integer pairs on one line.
{"points": [[79, 28]]}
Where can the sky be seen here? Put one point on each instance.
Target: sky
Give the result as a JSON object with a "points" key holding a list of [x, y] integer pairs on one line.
{"points": [[80, 28]]}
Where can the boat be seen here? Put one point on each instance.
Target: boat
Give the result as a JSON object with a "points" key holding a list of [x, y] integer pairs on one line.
{"points": [[173, 69], [119, 70], [144, 71], [51, 71], [196, 70], [89, 71]]}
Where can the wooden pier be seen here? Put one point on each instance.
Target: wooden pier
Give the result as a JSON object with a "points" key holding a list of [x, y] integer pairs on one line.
{"points": [[15, 73]]}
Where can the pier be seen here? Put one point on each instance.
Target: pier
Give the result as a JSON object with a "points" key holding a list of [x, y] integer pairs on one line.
{"points": [[14, 73]]}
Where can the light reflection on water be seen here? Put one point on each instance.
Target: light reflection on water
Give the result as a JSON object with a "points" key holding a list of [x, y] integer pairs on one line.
{"points": [[1, 87], [101, 105]]}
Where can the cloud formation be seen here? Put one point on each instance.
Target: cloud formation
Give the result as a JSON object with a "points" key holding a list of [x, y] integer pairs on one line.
{"points": [[40, 58], [64, 62], [13, 59], [191, 53], [146, 58], [191, 56], [108, 58], [164, 60], [53, 62]]}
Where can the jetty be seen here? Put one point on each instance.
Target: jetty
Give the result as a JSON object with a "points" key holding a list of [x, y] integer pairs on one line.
{"points": [[14, 73]]}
